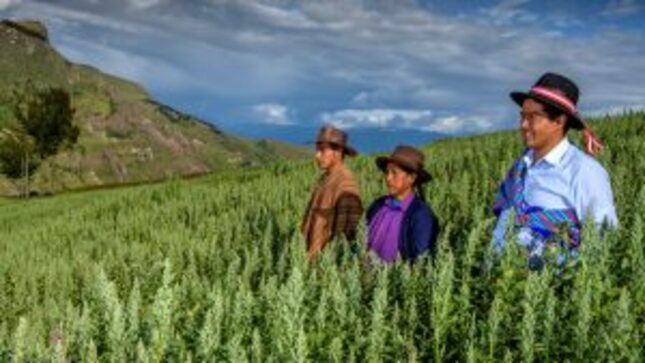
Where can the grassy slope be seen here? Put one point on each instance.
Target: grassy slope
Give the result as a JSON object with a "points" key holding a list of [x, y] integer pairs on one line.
{"points": [[125, 136]]}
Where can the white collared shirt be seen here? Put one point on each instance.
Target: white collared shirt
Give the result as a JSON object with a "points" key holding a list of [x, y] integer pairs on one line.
{"points": [[564, 178]]}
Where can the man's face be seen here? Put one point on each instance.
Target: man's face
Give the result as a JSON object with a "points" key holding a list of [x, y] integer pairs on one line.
{"points": [[327, 156], [537, 129]]}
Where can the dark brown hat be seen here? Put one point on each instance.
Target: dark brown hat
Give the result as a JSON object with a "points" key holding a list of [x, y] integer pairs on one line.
{"points": [[336, 137], [558, 91], [408, 158]]}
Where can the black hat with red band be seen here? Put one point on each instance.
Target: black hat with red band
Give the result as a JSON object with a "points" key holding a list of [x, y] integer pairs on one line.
{"points": [[557, 91], [562, 93]]}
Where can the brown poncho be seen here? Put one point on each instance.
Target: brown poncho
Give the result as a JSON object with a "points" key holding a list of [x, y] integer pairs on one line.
{"points": [[335, 207]]}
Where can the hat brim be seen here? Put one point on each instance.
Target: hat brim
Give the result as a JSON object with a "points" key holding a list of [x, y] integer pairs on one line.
{"points": [[347, 149], [574, 119], [422, 175]]}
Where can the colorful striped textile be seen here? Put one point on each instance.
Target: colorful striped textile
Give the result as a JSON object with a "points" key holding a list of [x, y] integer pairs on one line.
{"points": [[546, 225]]}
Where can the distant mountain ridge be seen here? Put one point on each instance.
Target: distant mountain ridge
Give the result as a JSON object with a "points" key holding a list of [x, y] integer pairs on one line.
{"points": [[126, 135]]}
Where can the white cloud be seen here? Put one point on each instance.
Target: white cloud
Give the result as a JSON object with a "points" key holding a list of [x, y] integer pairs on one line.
{"points": [[6, 4], [279, 16], [507, 12], [182, 65], [622, 7], [273, 113], [458, 124], [143, 4], [422, 120], [381, 118], [361, 98], [71, 18]]}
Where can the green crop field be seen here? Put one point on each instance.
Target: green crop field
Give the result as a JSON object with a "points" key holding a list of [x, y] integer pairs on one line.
{"points": [[214, 269]]}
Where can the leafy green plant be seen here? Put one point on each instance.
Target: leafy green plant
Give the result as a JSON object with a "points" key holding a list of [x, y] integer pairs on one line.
{"points": [[214, 269]]}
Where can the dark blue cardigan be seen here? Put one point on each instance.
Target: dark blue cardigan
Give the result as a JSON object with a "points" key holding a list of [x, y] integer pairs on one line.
{"points": [[419, 228]]}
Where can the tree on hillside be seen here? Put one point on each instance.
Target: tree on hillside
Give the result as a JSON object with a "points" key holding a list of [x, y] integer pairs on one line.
{"points": [[43, 125], [15, 148]]}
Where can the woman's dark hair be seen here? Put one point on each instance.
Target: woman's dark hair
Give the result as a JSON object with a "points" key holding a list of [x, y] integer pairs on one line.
{"points": [[418, 187]]}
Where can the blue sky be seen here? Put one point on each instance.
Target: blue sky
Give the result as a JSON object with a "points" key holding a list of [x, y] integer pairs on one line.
{"points": [[391, 71]]}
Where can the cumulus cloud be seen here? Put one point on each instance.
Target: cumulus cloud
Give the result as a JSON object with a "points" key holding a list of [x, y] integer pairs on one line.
{"points": [[74, 18], [459, 124], [622, 7], [424, 120], [507, 12], [380, 118], [273, 113], [143, 4], [5, 4]]}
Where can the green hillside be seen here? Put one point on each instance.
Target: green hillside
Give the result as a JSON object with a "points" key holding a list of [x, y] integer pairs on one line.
{"points": [[214, 269], [126, 136]]}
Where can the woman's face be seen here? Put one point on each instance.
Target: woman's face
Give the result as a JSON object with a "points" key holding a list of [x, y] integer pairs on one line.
{"points": [[399, 182]]}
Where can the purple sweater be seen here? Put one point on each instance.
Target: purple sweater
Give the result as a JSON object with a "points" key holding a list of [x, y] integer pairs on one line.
{"points": [[384, 229]]}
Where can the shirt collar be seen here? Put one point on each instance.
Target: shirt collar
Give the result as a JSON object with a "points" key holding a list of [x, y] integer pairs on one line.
{"points": [[554, 156], [396, 204]]}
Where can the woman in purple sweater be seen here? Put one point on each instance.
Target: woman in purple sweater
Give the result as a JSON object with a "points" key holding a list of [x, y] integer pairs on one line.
{"points": [[402, 223]]}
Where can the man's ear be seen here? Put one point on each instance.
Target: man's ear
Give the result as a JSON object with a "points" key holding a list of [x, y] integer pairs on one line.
{"points": [[561, 120]]}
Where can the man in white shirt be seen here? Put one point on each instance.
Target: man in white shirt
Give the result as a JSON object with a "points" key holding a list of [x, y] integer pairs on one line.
{"points": [[553, 184]]}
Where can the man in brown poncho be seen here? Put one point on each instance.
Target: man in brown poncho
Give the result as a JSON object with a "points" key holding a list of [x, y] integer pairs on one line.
{"points": [[335, 206]]}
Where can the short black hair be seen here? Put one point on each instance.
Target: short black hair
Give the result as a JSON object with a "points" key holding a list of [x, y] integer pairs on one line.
{"points": [[554, 112]]}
